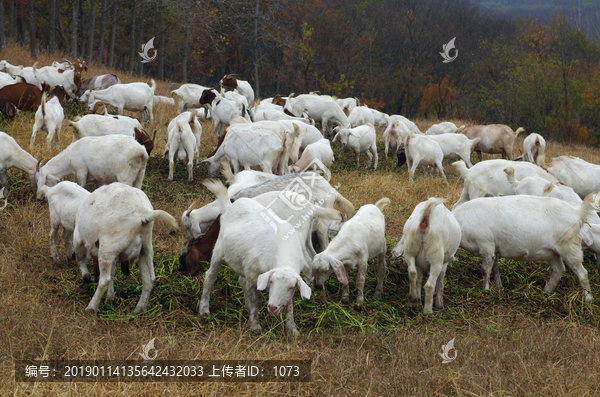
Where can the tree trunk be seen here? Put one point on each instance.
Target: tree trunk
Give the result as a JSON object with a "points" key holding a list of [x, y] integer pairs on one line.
{"points": [[20, 24], [186, 39], [32, 43], [74, 29], [52, 27], [90, 49], [2, 40], [11, 20], [67, 47], [161, 54], [113, 29], [102, 32], [82, 29], [132, 53], [141, 67], [256, 55]]}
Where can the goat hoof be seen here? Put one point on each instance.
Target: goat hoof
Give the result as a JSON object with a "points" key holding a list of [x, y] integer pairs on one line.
{"points": [[413, 304]]}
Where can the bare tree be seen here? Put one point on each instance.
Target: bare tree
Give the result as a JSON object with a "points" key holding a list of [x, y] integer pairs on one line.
{"points": [[90, 49], [82, 29], [74, 28], [11, 19], [2, 40], [32, 43], [52, 26], [67, 45], [187, 10], [132, 37], [161, 54], [141, 68], [113, 29], [102, 32]]}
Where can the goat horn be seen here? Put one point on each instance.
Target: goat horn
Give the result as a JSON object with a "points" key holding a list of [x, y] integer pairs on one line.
{"points": [[37, 167], [153, 137]]}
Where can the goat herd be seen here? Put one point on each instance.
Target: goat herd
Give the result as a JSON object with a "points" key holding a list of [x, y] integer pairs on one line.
{"points": [[273, 226]]}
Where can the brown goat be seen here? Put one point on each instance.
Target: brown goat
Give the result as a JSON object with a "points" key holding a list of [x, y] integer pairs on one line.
{"points": [[60, 92], [24, 96], [229, 81], [199, 250], [99, 108], [78, 67], [495, 139], [143, 138], [278, 100]]}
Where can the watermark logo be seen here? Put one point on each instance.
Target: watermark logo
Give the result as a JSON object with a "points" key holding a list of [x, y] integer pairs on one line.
{"points": [[446, 352], [148, 47], [447, 48], [146, 350], [596, 201]]}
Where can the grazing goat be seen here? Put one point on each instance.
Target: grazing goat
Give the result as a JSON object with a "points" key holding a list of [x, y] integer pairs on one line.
{"points": [[421, 149], [394, 135], [114, 224], [455, 146], [321, 108], [192, 119], [23, 95], [64, 200], [240, 86], [360, 139], [317, 156], [361, 115], [582, 176], [528, 229], [135, 97], [445, 127], [188, 96], [182, 143], [70, 79], [98, 82], [12, 155], [249, 246], [199, 249], [487, 178], [104, 159], [534, 150], [256, 145], [495, 139], [223, 110], [48, 117], [360, 239], [429, 241]]}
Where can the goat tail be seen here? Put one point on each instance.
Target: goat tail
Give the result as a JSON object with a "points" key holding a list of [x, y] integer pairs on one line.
{"points": [[460, 129], [226, 171], [43, 105], [510, 175], [160, 215], [428, 209], [461, 167], [519, 130], [382, 203], [153, 85], [220, 191], [344, 205]]}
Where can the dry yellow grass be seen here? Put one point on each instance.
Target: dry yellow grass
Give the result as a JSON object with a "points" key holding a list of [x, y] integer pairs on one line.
{"points": [[511, 346]]}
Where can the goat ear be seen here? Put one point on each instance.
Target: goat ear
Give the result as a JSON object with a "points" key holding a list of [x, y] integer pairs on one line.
{"points": [[335, 137], [263, 280], [340, 270], [304, 288]]}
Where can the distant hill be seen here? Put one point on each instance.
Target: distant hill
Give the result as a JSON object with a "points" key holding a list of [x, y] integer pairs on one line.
{"points": [[543, 9]]}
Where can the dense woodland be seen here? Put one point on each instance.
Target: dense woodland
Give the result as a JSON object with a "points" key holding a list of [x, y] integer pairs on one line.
{"points": [[543, 76]]}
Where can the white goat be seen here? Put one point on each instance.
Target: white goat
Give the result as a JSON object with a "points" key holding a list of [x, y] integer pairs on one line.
{"points": [[135, 97], [99, 125], [188, 96], [487, 178], [159, 99], [114, 224], [315, 156], [582, 176], [321, 108], [12, 70], [182, 143], [64, 200], [309, 133], [266, 111], [420, 149], [269, 260], [6, 79], [361, 115], [445, 127], [255, 145], [242, 87], [360, 239], [223, 110], [534, 149], [529, 229], [48, 117], [192, 119], [394, 135], [429, 241], [104, 159], [381, 119], [360, 139], [456, 146], [12, 155]]}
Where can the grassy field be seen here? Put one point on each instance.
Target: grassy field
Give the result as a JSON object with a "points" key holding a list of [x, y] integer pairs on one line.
{"points": [[517, 342]]}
